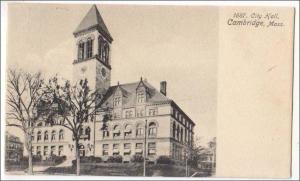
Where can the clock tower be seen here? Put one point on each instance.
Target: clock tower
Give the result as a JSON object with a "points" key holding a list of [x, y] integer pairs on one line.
{"points": [[92, 58]]}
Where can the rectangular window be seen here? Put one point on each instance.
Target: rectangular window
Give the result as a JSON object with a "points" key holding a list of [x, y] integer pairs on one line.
{"points": [[140, 97], [139, 145], [117, 101], [151, 149], [38, 150], [126, 153], [127, 146], [139, 149], [128, 114], [46, 150], [174, 112], [115, 146], [80, 51], [139, 113], [185, 135], [105, 149], [89, 47], [116, 149], [153, 112], [105, 152], [105, 146], [52, 150], [60, 150]]}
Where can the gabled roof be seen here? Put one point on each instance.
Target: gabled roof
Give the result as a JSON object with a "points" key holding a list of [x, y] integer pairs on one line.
{"points": [[130, 99], [92, 20]]}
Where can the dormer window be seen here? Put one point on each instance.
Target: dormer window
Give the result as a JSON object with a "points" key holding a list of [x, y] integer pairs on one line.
{"points": [[89, 48], [81, 51], [117, 101], [141, 97]]}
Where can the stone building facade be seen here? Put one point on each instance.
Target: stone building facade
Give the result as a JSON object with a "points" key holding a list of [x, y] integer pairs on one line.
{"points": [[142, 117]]}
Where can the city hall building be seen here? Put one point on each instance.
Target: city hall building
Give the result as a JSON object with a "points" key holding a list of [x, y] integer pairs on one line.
{"points": [[143, 118]]}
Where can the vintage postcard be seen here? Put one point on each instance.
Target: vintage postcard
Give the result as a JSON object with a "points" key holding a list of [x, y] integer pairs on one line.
{"points": [[148, 91]]}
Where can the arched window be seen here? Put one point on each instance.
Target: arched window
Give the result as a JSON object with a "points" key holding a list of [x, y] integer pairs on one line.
{"points": [[89, 48], [128, 131], [61, 134], [81, 50], [39, 135], [46, 135], [174, 130], [53, 135], [116, 132], [152, 129], [40, 124], [105, 133], [139, 130]]}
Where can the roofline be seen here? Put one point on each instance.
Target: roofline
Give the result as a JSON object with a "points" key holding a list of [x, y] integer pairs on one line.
{"points": [[106, 35], [174, 104]]}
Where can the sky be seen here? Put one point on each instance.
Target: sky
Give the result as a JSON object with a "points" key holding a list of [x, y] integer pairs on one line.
{"points": [[177, 44]]}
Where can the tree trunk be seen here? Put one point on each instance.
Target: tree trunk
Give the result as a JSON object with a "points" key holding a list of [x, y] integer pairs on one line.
{"points": [[30, 168], [29, 149], [77, 158]]}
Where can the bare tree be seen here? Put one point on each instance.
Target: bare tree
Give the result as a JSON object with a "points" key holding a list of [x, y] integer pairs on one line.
{"points": [[73, 105], [194, 152], [25, 92]]}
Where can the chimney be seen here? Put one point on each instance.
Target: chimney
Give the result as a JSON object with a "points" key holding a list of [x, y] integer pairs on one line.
{"points": [[163, 87]]}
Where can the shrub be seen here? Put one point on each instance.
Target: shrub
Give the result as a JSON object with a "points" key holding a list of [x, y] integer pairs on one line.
{"points": [[137, 158], [98, 159], [164, 160], [88, 159], [193, 163], [36, 158], [115, 159], [56, 159], [73, 163], [24, 160]]}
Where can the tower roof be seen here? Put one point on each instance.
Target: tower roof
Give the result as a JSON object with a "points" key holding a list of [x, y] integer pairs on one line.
{"points": [[93, 20]]}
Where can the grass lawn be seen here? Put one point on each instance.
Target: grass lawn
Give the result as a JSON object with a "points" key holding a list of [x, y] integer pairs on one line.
{"points": [[127, 169]]}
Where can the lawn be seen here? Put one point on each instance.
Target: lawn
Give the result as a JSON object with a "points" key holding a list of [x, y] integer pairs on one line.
{"points": [[126, 169]]}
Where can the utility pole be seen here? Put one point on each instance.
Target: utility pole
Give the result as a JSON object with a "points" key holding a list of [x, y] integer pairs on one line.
{"points": [[145, 148]]}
